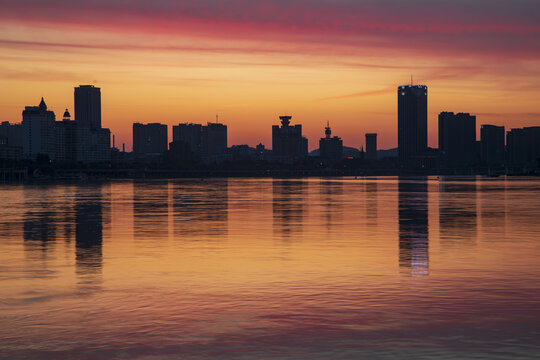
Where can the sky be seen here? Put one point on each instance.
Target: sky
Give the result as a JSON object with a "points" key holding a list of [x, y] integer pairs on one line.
{"points": [[249, 61]]}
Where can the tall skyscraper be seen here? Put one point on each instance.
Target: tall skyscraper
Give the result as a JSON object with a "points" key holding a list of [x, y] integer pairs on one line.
{"points": [[149, 138], [93, 141], [492, 144], [288, 143], [412, 123], [457, 139], [38, 131], [331, 148], [88, 106], [371, 146]]}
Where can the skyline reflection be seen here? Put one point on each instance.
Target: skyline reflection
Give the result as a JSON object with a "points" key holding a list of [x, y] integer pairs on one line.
{"points": [[413, 226]]}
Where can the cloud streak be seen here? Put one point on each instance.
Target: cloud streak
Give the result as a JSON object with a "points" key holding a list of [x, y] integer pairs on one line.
{"points": [[494, 27]]}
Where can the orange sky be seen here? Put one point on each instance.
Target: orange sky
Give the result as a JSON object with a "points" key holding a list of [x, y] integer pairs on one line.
{"points": [[249, 62]]}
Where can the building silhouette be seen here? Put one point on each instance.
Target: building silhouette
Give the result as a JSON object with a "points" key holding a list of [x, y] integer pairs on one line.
{"points": [[66, 139], [93, 141], [523, 149], [38, 131], [11, 142], [149, 139], [331, 148], [288, 144], [492, 145], [214, 142], [88, 106], [457, 139], [412, 124], [371, 146], [197, 142]]}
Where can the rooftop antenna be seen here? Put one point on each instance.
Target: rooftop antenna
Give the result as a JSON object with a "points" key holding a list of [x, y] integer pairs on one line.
{"points": [[411, 79], [216, 118]]}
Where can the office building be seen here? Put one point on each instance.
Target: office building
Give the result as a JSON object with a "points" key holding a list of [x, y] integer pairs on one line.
{"points": [[457, 140], [331, 148], [213, 142], [93, 141], [207, 143], [149, 139], [10, 141], [88, 106], [412, 123], [38, 131], [288, 144], [523, 149], [371, 146], [492, 145], [188, 136], [66, 139]]}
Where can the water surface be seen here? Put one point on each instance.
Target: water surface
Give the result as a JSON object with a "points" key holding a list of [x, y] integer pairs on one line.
{"points": [[339, 268]]}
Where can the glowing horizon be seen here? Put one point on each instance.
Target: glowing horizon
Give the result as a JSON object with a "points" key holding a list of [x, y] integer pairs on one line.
{"points": [[250, 62]]}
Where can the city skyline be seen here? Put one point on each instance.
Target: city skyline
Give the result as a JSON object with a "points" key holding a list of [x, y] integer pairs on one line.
{"points": [[176, 62]]}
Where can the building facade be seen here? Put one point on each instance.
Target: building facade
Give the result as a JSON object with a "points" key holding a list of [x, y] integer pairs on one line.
{"points": [[38, 131], [288, 144], [492, 145], [371, 146], [331, 148], [149, 139], [88, 106], [412, 123], [457, 140]]}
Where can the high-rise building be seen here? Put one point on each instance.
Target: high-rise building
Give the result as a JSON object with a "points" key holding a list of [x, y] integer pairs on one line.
{"points": [[149, 139], [66, 139], [10, 141], [207, 143], [412, 123], [214, 141], [523, 149], [93, 141], [331, 148], [190, 134], [88, 106], [371, 146], [38, 131], [492, 145], [288, 144], [457, 139]]}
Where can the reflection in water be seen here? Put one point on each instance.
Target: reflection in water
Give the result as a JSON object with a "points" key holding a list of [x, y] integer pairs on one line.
{"points": [[457, 212], [151, 210], [201, 208], [39, 222], [493, 207], [371, 203], [413, 225], [91, 211], [332, 202], [289, 204]]}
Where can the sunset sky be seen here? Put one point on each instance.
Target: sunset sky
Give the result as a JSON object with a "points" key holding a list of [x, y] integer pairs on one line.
{"points": [[250, 61]]}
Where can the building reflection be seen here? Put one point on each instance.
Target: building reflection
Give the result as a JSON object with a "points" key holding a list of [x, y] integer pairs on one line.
{"points": [[371, 203], [457, 212], [201, 208], [413, 226], [331, 192], [493, 210], [92, 212], [151, 210], [39, 224], [289, 204]]}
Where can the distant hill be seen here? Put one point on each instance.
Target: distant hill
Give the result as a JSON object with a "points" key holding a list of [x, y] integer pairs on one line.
{"points": [[354, 152]]}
